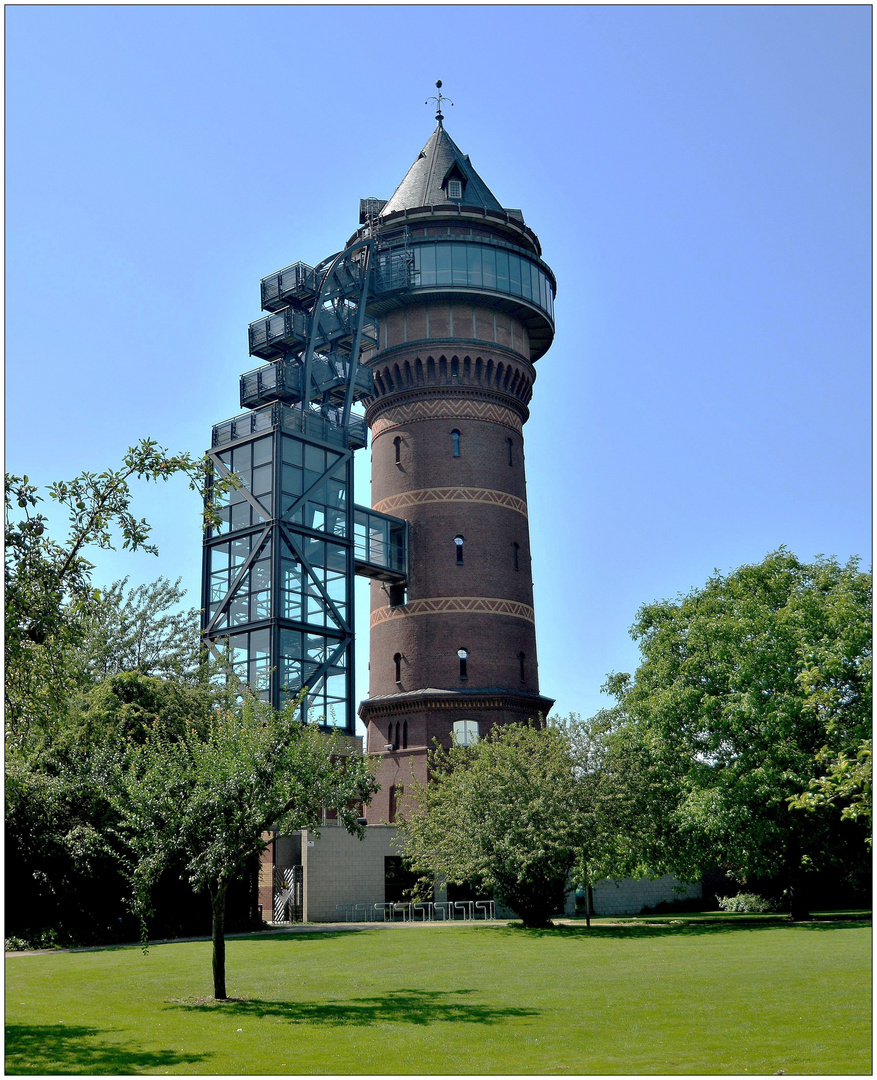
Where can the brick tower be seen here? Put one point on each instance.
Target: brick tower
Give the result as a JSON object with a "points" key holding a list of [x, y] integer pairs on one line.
{"points": [[455, 653]]}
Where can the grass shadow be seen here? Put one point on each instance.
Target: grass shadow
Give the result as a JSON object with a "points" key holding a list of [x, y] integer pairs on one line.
{"points": [[413, 1006], [679, 926], [47, 1049]]}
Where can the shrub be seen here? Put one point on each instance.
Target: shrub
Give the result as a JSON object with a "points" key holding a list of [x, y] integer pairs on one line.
{"points": [[747, 902]]}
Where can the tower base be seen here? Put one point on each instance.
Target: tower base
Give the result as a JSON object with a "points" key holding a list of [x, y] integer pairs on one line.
{"points": [[402, 728]]}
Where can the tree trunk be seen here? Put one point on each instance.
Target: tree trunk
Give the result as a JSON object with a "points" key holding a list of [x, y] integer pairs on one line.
{"points": [[589, 904], [217, 903], [799, 909]]}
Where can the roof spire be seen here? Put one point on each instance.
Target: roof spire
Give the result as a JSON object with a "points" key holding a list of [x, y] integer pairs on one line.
{"points": [[438, 102]]}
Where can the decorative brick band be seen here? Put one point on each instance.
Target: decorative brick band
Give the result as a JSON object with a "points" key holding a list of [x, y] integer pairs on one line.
{"points": [[446, 409], [455, 605], [393, 503]]}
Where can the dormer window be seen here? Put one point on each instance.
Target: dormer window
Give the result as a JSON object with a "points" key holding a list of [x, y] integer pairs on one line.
{"points": [[455, 189]]}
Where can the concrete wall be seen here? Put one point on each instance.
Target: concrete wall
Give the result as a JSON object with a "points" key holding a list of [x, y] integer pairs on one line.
{"points": [[629, 896], [339, 869]]}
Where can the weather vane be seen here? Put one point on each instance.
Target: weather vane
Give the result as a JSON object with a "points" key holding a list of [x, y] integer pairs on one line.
{"points": [[438, 101]]}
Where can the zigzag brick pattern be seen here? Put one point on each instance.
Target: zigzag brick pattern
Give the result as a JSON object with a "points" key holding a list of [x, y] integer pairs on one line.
{"points": [[444, 605], [446, 409], [395, 503]]}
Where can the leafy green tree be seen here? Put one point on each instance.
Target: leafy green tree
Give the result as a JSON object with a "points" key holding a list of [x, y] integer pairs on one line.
{"points": [[209, 796], [508, 813], [142, 629], [745, 686], [48, 591]]}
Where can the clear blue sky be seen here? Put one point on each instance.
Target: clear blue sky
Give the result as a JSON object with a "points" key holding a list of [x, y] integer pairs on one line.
{"points": [[699, 178]]}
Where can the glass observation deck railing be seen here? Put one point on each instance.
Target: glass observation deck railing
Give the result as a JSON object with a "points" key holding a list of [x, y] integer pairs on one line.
{"points": [[271, 337], [322, 426], [289, 330], [380, 545], [281, 381], [296, 284]]}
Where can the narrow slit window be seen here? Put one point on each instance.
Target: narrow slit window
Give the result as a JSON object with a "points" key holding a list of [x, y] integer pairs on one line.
{"points": [[463, 655], [515, 551], [405, 735], [521, 660], [509, 446], [397, 449], [458, 544], [397, 661], [455, 441]]}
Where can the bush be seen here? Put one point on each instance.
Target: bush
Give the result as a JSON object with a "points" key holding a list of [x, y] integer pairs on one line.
{"points": [[747, 902]]}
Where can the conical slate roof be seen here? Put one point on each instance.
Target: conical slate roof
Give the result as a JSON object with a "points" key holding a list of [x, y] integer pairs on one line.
{"points": [[425, 181]]}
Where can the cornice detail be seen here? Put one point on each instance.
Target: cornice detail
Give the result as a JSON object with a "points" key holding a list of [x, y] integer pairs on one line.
{"points": [[405, 704], [454, 605], [393, 503]]}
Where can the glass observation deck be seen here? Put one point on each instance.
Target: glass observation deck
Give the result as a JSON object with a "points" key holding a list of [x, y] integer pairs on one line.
{"points": [[380, 545], [289, 330], [296, 284], [282, 381], [484, 267], [323, 426]]}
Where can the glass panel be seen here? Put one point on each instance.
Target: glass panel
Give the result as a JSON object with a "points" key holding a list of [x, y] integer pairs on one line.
{"points": [[315, 459], [292, 450], [218, 557], [515, 275], [262, 449], [488, 259], [427, 267], [260, 643], [473, 265], [526, 282], [240, 516], [502, 271], [458, 264], [443, 264], [262, 480]]}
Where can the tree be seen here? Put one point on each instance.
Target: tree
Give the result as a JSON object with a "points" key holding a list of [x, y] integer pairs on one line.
{"points": [[509, 813], [49, 595], [143, 630], [746, 688], [209, 796]]}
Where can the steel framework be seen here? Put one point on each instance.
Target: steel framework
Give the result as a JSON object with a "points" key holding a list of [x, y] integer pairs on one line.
{"points": [[278, 572]]}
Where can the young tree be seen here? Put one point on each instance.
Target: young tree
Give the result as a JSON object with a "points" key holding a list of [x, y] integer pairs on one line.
{"points": [[209, 796], [49, 596], [744, 687], [509, 813]]}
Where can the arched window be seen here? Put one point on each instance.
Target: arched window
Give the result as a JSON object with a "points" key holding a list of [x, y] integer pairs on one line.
{"points": [[509, 445], [455, 437], [397, 660], [405, 735], [515, 550], [458, 544], [521, 659], [463, 655], [397, 447]]}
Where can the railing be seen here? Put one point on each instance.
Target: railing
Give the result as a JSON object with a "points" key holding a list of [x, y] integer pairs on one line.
{"points": [[271, 337], [281, 380], [294, 284], [380, 542], [324, 427], [423, 911]]}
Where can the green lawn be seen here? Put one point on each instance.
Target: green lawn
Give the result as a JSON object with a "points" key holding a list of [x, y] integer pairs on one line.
{"points": [[727, 997]]}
